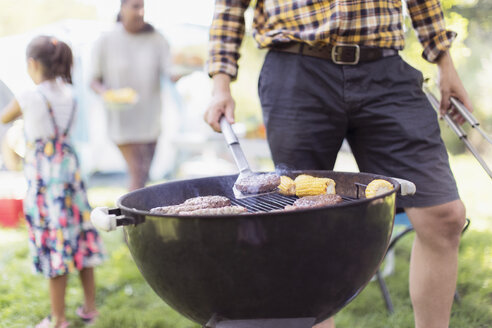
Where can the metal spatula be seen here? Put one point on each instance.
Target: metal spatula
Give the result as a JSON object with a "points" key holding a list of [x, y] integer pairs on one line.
{"points": [[239, 158]]}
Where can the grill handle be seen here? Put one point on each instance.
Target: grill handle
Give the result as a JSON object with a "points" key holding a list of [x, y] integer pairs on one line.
{"points": [[407, 188], [106, 219]]}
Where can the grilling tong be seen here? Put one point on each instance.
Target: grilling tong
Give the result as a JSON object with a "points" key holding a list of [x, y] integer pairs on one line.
{"points": [[468, 116]]}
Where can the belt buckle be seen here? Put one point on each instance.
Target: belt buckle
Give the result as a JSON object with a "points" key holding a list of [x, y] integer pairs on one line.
{"points": [[335, 53]]}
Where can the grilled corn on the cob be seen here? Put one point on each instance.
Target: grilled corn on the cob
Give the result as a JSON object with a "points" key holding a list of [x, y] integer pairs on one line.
{"points": [[307, 185], [378, 187], [120, 96], [287, 186]]}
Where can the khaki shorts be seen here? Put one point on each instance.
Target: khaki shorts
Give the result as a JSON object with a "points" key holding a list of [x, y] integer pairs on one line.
{"points": [[311, 105]]}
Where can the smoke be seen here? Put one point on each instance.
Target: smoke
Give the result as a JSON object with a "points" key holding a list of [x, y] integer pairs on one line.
{"points": [[283, 169]]}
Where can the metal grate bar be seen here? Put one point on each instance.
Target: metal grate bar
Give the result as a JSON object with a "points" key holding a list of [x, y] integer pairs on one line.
{"points": [[264, 203], [270, 202], [256, 207], [275, 201]]}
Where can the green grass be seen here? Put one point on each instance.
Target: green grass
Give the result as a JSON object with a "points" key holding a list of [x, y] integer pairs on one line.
{"points": [[474, 288], [125, 300], [123, 297]]}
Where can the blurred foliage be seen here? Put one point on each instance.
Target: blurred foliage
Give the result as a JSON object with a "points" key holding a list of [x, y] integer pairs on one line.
{"points": [[18, 16], [471, 55]]}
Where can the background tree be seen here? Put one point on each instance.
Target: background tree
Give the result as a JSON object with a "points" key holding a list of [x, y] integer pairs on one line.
{"points": [[19, 16]]}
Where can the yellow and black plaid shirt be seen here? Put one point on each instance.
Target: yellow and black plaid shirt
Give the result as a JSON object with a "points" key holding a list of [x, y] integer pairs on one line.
{"points": [[377, 23]]}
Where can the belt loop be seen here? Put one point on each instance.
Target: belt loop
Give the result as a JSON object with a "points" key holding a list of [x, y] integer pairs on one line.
{"points": [[301, 49]]}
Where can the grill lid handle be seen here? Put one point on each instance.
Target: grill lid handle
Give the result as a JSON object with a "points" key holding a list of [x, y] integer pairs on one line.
{"points": [[109, 219], [406, 187], [102, 220]]}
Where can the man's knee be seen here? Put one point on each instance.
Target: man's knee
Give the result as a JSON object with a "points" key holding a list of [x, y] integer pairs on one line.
{"points": [[440, 225]]}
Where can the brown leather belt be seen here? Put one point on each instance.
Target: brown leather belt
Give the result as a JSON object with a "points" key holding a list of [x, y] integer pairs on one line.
{"points": [[348, 54]]}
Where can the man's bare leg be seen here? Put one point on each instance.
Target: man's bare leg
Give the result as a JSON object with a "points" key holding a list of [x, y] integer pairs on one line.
{"points": [[434, 262], [328, 323]]}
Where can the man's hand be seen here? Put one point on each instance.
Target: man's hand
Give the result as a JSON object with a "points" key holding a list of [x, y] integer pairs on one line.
{"points": [[450, 86], [221, 103]]}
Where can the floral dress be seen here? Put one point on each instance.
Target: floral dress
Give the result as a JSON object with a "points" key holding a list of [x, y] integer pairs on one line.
{"points": [[61, 235]]}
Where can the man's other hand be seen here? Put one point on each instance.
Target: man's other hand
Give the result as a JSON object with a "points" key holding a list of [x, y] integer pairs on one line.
{"points": [[450, 86]]}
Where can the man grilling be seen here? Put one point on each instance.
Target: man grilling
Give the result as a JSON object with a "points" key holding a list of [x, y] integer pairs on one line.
{"points": [[333, 72]]}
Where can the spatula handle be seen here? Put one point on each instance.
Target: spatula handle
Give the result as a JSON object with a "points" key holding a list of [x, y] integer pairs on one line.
{"points": [[227, 131], [235, 147]]}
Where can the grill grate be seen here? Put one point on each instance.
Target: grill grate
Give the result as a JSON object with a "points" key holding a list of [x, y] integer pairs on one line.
{"points": [[271, 202], [265, 203]]}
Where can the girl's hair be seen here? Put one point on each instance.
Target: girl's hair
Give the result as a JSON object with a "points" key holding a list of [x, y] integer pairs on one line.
{"points": [[54, 55]]}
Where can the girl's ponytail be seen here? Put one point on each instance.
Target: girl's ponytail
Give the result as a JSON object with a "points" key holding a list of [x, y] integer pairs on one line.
{"points": [[55, 56], [62, 61]]}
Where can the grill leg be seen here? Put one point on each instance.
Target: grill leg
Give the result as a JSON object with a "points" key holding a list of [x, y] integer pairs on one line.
{"points": [[457, 297], [384, 290]]}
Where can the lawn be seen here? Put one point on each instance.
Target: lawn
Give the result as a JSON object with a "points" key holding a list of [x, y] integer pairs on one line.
{"points": [[125, 300]]}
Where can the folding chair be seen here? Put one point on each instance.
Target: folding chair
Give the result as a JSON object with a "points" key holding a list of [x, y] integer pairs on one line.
{"points": [[401, 220]]}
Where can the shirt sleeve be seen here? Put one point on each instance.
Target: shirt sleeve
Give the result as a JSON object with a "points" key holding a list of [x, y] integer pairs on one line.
{"points": [[225, 36], [428, 22], [30, 99]]}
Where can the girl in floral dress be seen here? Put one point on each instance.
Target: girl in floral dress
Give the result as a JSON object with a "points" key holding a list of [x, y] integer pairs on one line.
{"points": [[61, 236]]}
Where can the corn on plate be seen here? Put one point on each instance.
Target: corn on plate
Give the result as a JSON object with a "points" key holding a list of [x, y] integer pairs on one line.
{"points": [[120, 96]]}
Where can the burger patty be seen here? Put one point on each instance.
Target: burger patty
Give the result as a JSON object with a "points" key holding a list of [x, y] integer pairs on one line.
{"points": [[204, 205], [226, 210], [315, 201], [258, 183], [209, 201]]}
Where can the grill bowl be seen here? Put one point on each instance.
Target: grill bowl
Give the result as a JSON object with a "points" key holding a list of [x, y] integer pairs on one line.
{"points": [[290, 264]]}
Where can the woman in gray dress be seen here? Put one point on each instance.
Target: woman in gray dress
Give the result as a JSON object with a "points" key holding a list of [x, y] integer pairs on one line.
{"points": [[132, 56]]}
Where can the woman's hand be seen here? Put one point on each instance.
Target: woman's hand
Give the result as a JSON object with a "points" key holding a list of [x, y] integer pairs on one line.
{"points": [[450, 86], [98, 87], [222, 102]]}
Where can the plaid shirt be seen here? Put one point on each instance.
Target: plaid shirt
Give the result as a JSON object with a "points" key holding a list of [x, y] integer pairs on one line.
{"points": [[377, 23]]}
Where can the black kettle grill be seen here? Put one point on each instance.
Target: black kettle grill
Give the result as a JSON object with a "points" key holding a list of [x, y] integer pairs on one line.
{"points": [[267, 269]]}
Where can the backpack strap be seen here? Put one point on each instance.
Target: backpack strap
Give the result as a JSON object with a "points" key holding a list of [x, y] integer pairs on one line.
{"points": [[70, 119], [52, 116]]}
